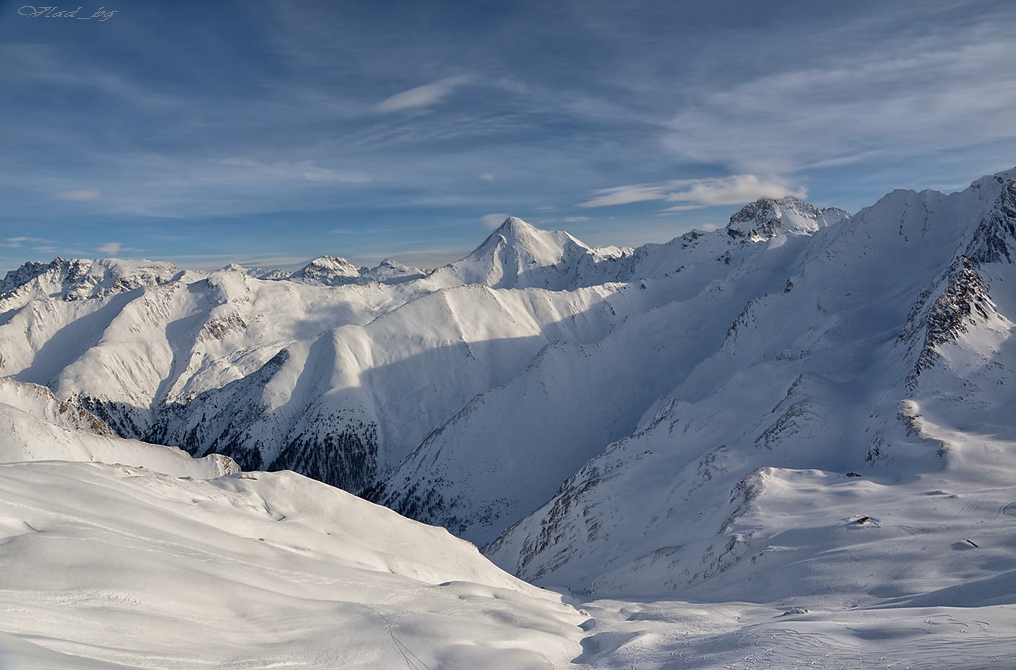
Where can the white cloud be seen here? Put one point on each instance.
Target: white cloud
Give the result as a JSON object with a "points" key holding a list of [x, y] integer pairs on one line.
{"points": [[421, 96], [696, 193], [16, 242], [486, 176], [910, 98], [82, 195], [575, 219], [492, 221], [112, 248], [293, 171], [625, 195]]}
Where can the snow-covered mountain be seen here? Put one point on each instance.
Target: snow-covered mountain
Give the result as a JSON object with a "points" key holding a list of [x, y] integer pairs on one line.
{"points": [[871, 395], [805, 411], [517, 255], [465, 396], [337, 380], [334, 271], [765, 219]]}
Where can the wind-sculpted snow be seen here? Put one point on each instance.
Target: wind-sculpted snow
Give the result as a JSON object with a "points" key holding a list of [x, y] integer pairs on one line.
{"points": [[105, 566], [116, 553]]}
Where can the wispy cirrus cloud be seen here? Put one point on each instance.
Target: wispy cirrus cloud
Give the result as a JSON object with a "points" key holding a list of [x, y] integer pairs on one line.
{"points": [[908, 97], [421, 96], [696, 193], [80, 195], [20, 241], [304, 170]]}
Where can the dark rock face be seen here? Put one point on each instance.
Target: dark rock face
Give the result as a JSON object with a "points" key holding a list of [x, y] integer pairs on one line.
{"points": [[15, 279], [963, 297], [962, 303], [995, 238], [346, 459], [762, 217], [235, 421]]}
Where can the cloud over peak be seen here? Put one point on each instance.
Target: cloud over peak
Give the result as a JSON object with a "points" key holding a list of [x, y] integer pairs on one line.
{"points": [[111, 248], [696, 193], [492, 221]]}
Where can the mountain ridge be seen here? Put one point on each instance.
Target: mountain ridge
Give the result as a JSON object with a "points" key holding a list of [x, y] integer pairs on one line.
{"points": [[789, 444], [532, 329]]}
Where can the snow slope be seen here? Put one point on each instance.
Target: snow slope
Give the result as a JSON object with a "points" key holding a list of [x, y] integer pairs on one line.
{"points": [[115, 553], [849, 437], [36, 426], [112, 566]]}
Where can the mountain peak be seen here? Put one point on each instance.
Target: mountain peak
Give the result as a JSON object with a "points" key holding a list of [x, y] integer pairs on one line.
{"points": [[518, 254], [392, 272], [514, 232], [514, 225], [329, 270], [529, 244], [768, 217], [77, 279]]}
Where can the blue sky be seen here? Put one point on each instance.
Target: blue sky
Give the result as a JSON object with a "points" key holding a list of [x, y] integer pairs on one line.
{"points": [[272, 132]]}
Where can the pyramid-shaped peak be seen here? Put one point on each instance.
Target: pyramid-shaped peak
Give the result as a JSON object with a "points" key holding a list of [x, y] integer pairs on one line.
{"points": [[514, 229], [514, 223], [545, 247], [513, 254]]}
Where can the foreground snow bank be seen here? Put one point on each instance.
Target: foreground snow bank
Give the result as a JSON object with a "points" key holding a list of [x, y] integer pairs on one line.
{"points": [[105, 566]]}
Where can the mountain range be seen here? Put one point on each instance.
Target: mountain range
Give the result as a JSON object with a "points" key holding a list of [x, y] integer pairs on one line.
{"points": [[804, 406]]}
